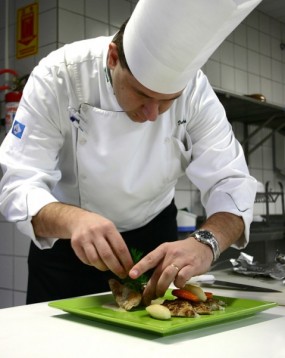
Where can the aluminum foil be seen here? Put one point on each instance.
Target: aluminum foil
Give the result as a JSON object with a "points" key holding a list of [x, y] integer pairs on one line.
{"points": [[246, 265]]}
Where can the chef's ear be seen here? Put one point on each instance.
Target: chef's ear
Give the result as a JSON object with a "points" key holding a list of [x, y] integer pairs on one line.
{"points": [[113, 57]]}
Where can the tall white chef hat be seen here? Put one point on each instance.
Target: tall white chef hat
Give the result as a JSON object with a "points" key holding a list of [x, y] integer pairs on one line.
{"points": [[167, 41]]}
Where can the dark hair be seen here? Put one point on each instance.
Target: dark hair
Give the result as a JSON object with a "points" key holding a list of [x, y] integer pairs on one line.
{"points": [[118, 40]]}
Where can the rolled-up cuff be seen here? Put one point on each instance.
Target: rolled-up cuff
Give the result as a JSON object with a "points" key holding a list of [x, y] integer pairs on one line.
{"points": [[36, 200], [214, 206]]}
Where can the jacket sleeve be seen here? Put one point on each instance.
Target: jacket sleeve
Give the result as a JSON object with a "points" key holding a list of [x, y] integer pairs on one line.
{"points": [[218, 167], [29, 154]]}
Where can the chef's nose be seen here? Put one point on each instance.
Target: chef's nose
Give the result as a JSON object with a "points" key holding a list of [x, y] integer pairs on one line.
{"points": [[151, 109]]}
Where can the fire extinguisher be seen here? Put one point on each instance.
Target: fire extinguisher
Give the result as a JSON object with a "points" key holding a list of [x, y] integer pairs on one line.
{"points": [[12, 98]]}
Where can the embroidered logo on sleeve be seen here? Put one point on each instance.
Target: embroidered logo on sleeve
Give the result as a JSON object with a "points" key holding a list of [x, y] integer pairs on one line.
{"points": [[18, 129]]}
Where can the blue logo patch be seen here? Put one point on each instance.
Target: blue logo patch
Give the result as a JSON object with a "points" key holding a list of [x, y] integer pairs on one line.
{"points": [[18, 129]]}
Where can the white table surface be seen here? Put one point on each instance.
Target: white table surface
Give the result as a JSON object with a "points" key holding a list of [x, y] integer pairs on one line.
{"points": [[36, 331]]}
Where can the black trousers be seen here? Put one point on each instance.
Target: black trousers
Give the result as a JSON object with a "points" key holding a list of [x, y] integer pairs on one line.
{"points": [[58, 273]]}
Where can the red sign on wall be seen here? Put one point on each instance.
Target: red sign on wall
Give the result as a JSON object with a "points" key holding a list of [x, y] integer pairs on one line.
{"points": [[27, 31]]}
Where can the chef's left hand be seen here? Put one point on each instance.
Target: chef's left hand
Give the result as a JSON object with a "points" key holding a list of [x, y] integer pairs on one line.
{"points": [[173, 262]]}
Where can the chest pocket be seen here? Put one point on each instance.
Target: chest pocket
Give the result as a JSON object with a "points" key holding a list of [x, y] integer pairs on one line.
{"points": [[182, 150]]}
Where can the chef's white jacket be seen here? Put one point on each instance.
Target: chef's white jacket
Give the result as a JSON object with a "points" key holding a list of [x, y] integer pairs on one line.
{"points": [[71, 142]]}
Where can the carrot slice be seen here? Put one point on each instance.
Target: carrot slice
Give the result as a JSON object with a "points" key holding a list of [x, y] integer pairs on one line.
{"points": [[209, 295], [186, 295]]}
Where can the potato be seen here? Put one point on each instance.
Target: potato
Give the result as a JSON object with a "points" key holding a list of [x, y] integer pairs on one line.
{"points": [[158, 300], [158, 311], [196, 290]]}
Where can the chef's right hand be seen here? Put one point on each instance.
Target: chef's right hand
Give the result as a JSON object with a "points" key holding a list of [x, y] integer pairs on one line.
{"points": [[97, 242], [94, 239]]}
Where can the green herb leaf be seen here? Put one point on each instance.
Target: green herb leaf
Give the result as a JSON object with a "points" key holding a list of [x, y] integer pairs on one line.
{"points": [[136, 254], [137, 284]]}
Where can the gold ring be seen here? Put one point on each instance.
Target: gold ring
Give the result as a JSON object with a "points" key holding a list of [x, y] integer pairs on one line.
{"points": [[176, 267]]}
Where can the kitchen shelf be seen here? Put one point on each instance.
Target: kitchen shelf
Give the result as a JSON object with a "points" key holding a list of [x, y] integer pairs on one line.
{"points": [[268, 197], [250, 111]]}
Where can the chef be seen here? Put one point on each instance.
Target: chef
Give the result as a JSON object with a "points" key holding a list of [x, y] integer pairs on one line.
{"points": [[104, 130]]}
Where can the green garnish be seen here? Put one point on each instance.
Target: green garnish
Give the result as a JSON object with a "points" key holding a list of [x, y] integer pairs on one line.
{"points": [[136, 254], [137, 284]]}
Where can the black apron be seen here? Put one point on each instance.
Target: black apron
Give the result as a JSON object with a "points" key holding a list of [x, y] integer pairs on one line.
{"points": [[58, 273]]}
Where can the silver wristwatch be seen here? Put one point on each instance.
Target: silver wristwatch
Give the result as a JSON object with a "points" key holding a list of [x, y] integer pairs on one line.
{"points": [[207, 238]]}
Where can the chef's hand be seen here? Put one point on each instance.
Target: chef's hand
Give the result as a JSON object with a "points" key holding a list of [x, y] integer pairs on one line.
{"points": [[173, 262], [97, 242], [95, 239]]}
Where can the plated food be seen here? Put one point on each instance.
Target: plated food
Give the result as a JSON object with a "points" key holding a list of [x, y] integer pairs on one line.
{"points": [[104, 308], [191, 301], [125, 297]]}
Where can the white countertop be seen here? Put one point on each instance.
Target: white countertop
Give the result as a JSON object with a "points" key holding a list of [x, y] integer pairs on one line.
{"points": [[37, 331]]}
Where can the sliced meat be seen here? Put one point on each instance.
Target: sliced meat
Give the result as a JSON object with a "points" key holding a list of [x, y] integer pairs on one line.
{"points": [[180, 308], [184, 308], [125, 297], [215, 304], [201, 308]]}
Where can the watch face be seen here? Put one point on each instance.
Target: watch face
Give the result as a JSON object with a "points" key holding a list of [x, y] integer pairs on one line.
{"points": [[204, 235]]}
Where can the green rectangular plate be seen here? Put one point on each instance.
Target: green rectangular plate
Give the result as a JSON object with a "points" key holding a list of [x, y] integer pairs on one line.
{"points": [[94, 308]]}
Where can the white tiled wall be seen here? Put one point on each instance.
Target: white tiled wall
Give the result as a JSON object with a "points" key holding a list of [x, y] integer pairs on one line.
{"points": [[249, 61], [13, 265]]}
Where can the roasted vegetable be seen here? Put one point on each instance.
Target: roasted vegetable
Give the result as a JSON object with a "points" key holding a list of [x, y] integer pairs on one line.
{"points": [[196, 290], [186, 295]]}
